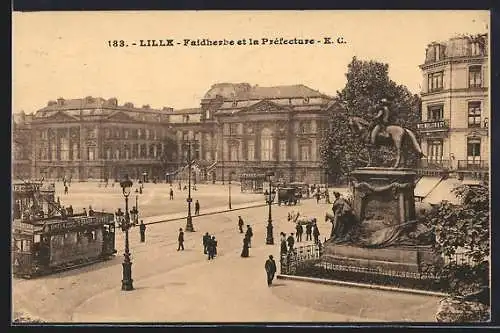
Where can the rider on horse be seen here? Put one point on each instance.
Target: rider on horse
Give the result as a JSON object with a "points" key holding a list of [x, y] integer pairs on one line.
{"points": [[381, 119]]}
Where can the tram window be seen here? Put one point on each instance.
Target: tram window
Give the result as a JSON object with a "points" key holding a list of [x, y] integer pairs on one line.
{"points": [[26, 246]]}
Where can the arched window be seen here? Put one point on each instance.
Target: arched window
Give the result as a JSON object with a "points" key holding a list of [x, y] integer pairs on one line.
{"points": [[266, 145]]}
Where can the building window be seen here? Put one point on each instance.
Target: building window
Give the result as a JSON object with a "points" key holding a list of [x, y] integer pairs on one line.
{"points": [[473, 150], [475, 77], [305, 127], [250, 150], [435, 112], [306, 100], [474, 114], [106, 133], [207, 114], [476, 49], [435, 81], [139, 133], [304, 153], [282, 145], [234, 152], [185, 136], [208, 156], [147, 134], [235, 104], [117, 154], [125, 134], [108, 153], [267, 145], [64, 144], [91, 153], [127, 153], [435, 150], [233, 129]]}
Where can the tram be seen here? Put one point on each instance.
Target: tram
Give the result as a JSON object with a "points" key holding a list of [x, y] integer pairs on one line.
{"points": [[47, 243]]}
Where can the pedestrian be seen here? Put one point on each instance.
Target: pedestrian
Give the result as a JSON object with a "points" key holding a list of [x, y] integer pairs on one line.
{"points": [[300, 231], [249, 235], [284, 248], [240, 224], [70, 210], [245, 252], [197, 208], [181, 240], [84, 211], [65, 189], [211, 247], [180, 187], [290, 240], [318, 196], [214, 246], [327, 197], [142, 230], [270, 267], [91, 211], [171, 194], [316, 233], [206, 241], [309, 227]]}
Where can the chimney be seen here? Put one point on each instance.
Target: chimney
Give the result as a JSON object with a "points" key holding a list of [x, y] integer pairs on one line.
{"points": [[60, 101]]}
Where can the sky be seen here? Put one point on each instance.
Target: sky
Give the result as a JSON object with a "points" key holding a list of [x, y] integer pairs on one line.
{"points": [[66, 54]]}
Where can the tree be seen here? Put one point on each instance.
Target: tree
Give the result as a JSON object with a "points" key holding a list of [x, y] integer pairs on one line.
{"points": [[464, 229], [169, 152], [367, 83]]}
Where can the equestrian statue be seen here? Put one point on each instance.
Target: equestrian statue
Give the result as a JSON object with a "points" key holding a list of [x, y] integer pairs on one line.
{"points": [[380, 132]]}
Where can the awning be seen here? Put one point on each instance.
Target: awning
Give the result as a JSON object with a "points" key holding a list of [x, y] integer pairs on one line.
{"points": [[444, 191], [425, 185]]}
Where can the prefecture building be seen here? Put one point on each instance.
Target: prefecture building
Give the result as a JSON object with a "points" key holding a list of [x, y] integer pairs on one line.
{"points": [[455, 106], [238, 129]]}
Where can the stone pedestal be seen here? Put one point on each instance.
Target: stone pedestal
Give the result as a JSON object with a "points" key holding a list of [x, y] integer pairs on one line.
{"points": [[384, 194], [384, 217]]}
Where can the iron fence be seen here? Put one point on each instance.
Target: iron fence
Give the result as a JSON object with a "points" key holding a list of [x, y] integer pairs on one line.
{"points": [[307, 261]]}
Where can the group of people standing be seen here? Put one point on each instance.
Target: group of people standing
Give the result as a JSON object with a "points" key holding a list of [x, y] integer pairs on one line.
{"points": [[209, 246]]}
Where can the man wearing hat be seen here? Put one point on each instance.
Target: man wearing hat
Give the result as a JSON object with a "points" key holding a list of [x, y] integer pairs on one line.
{"points": [[270, 270], [381, 119]]}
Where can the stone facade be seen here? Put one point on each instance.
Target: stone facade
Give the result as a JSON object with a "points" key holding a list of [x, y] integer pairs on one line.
{"points": [[455, 105], [237, 129]]}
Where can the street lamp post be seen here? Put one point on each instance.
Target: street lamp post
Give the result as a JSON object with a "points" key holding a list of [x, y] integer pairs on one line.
{"points": [[126, 185], [269, 200], [189, 219]]}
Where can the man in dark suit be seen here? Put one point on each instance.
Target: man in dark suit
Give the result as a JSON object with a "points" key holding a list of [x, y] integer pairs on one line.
{"points": [[181, 240], [270, 267]]}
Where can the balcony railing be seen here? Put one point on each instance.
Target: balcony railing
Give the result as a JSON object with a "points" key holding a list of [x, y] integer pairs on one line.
{"points": [[430, 163], [473, 165], [433, 125]]}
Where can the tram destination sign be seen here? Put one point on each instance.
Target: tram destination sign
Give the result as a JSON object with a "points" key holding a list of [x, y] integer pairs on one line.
{"points": [[76, 222], [23, 227]]}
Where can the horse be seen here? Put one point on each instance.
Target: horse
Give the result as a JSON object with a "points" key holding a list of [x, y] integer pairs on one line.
{"points": [[393, 136], [294, 217]]}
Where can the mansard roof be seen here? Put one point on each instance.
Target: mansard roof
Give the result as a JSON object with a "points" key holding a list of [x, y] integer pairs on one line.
{"points": [[244, 91]]}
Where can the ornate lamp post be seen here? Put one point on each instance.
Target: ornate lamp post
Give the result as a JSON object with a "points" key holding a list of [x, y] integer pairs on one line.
{"points": [[270, 195], [229, 184], [126, 185], [189, 219]]}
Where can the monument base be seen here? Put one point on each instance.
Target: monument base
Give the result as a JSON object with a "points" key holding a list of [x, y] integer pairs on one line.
{"points": [[414, 259]]}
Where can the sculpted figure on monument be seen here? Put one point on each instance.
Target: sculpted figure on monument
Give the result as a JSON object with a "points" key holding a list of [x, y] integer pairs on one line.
{"points": [[380, 132]]}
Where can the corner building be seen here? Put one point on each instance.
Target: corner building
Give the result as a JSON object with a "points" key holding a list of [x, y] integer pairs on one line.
{"points": [[455, 107]]}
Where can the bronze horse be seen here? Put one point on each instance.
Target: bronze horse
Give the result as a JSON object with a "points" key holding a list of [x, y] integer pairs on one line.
{"points": [[393, 135]]}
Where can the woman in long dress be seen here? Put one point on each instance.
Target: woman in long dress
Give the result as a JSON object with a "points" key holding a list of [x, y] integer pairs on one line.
{"points": [[244, 252]]}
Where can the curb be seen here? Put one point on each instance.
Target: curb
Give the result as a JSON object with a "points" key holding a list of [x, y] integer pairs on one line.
{"points": [[360, 285], [206, 214]]}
